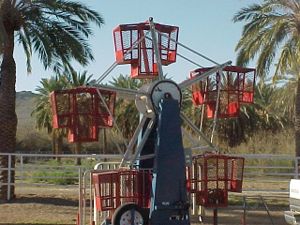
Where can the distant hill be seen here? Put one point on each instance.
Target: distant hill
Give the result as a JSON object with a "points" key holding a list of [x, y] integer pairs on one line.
{"points": [[27, 134], [25, 103]]}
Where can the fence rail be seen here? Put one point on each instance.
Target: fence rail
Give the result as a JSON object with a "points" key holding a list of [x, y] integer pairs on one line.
{"points": [[261, 173]]}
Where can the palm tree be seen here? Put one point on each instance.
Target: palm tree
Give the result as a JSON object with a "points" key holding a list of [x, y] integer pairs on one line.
{"points": [[43, 113], [75, 79], [127, 116], [272, 33], [262, 115], [254, 117], [57, 30]]}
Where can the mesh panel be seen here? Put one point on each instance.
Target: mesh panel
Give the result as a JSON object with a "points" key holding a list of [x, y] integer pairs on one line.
{"points": [[142, 56], [236, 87], [61, 109], [63, 104], [118, 45], [173, 44], [84, 103], [213, 175], [106, 185], [82, 111], [119, 187], [103, 118], [235, 173], [247, 83]]}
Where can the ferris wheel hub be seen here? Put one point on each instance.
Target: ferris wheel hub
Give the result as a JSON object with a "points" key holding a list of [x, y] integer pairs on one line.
{"points": [[148, 104]]}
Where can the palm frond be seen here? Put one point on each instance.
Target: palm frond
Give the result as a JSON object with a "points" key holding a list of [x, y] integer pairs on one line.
{"points": [[58, 32]]}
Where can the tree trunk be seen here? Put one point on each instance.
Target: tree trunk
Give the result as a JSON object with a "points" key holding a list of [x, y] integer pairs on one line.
{"points": [[8, 117], [104, 141], [77, 152], [297, 120], [58, 144]]}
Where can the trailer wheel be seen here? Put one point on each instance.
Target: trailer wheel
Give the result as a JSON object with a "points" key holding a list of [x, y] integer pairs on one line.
{"points": [[123, 215]]}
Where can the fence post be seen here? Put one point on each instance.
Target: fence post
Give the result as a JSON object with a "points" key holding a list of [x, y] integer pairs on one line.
{"points": [[80, 221], [9, 178], [22, 168], [296, 168]]}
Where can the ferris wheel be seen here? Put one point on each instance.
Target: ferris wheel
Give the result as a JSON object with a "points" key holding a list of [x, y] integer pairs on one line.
{"points": [[155, 153]]}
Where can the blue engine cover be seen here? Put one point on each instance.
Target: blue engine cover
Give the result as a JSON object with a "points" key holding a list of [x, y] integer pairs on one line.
{"points": [[169, 202]]}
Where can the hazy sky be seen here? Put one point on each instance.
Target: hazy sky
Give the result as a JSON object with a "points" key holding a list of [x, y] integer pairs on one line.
{"points": [[205, 25]]}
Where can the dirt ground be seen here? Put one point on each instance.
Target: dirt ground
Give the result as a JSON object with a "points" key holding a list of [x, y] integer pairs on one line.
{"points": [[59, 205]]}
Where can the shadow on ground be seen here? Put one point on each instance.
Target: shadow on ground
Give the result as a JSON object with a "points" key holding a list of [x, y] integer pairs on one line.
{"points": [[45, 200]]}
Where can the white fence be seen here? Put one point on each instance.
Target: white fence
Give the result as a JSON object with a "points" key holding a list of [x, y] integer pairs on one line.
{"points": [[262, 172], [48, 169]]}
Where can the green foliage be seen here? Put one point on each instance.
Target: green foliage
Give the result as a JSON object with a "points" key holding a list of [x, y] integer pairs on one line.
{"points": [[58, 31], [271, 32], [266, 142], [42, 111], [126, 114], [263, 115]]}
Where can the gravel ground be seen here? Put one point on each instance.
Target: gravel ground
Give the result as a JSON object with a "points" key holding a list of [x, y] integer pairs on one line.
{"points": [[59, 205]]}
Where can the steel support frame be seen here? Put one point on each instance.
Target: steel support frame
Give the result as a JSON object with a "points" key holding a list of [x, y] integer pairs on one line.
{"points": [[129, 156], [133, 93], [196, 130]]}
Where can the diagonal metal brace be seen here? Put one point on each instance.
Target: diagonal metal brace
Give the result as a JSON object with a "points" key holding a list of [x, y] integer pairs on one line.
{"points": [[195, 129], [189, 82]]}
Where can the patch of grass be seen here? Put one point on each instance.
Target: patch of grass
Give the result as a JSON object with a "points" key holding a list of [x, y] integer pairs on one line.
{"points": [[55, 172], [255, 201], [56, 177], [267, 143]]}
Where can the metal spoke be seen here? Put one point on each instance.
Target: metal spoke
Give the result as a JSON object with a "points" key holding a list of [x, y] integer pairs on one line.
{"points": [[143, 141], [110, 114], [189, 136], [189, 60], [182, 56], [107, 72], [156, 49], [195, 129], [133, 140], [144, 157], [186, 47], [111, 68], [216, 110], [189, 82], [124, 92]]}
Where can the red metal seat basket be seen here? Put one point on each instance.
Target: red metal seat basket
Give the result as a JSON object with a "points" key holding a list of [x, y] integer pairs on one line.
{"points": [[116, 187], [142, 57], [212, 176], [82, 111], [236, 87]]}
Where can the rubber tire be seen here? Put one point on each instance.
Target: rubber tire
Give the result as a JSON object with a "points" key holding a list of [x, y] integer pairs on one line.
{"points": [[126, 207]]}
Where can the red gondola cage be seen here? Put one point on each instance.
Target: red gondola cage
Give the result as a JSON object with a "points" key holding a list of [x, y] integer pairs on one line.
{"points": [[142, 56], [113, 188], [225, 109], [211, 180], [213, 175], [236, 87], [235, 173], [82, 111], [61, 109]]}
